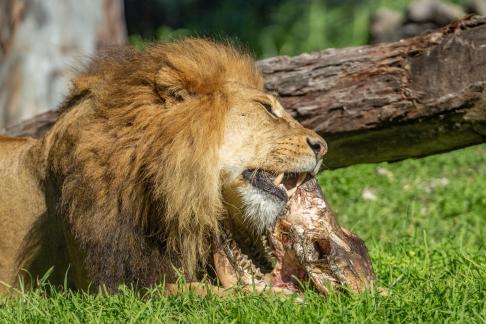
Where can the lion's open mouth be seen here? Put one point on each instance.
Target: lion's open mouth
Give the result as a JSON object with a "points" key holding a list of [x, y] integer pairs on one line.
{"points": [[282, 186], [305, 245]]}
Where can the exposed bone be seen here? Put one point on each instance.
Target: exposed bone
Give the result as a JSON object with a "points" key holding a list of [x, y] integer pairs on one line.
{"points": [[306, 242], [267, 249], [338, 240], [309, 226], [233, 267], [242, 262], [225, 271], [291, 192], [229, 278]]}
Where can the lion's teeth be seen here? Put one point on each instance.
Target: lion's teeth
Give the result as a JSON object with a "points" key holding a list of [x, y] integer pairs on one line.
{"points": [[278, 179], [317, 168], [300, 179], [291, 192]]}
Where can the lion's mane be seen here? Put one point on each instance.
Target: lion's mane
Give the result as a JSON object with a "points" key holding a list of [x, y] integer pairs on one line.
{"points": [[133, 158]]}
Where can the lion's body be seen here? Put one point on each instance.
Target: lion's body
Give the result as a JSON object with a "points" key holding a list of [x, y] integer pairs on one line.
{"points": [[22, 203], [127, 186]]}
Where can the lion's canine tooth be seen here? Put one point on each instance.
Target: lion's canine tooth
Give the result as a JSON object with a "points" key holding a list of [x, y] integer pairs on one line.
{"points": [[291, 191], [301, 179], [278, 179], [317, 168]]}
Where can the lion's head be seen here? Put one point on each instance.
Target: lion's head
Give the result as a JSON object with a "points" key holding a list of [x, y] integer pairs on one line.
{"points": [[157, 149], [264, 156]]}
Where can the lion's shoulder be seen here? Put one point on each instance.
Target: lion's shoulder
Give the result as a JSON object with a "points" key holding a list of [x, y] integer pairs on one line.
{"points": [[12, 139], [9, 144], [21, 201]]}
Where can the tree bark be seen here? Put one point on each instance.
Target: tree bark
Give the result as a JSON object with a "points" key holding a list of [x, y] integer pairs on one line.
{"points": [[41, 43], [388, 102], [392, 101]]}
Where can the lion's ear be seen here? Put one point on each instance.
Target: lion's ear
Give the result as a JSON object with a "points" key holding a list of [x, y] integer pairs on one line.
{"points": [[170, 85]]}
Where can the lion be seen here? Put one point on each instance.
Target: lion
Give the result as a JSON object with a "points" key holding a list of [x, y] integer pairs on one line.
{"points": [[154, 153]]}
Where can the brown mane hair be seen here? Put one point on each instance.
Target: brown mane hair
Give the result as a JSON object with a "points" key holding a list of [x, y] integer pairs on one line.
{"points": [[135, 154]]}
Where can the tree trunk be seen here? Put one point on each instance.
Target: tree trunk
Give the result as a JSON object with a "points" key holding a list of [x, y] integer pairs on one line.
{"points": [[40, 43], [388, 102]]}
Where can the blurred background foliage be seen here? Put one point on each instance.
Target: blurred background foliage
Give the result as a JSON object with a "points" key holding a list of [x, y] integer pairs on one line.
{"points": [[267, 27]]}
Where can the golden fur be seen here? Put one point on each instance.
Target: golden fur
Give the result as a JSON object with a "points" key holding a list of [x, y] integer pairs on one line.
{"points": [[127, 185]]}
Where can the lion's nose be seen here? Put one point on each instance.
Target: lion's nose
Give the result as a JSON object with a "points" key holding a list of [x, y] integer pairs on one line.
{"points": [[318, 146]]}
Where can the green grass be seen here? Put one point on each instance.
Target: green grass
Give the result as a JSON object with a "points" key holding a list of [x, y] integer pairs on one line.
{"points": [[426, 232]]}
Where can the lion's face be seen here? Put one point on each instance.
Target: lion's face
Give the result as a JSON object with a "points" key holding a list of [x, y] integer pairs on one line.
{"points": [[265, 155]]}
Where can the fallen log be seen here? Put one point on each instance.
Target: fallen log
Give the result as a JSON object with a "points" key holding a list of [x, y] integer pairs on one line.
{"points": [[410, 98], [388, 102]]}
